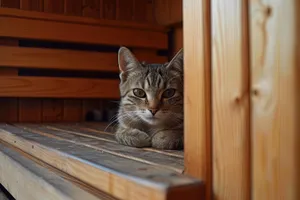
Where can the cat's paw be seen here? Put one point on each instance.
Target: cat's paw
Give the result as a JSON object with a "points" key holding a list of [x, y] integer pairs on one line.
{"points": [[133, 137], [168, 140]]}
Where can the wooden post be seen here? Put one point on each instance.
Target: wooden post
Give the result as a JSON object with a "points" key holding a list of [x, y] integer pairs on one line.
{"points": [[275, 99], [197, 75], [230, 97]]}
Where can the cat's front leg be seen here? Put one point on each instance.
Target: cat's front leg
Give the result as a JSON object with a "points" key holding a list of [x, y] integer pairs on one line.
{"points": [[132, 137], [168, 140]]}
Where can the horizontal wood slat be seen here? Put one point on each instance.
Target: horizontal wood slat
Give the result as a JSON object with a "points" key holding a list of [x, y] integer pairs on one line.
{"points": [[122, 178], [58, 59], [58, 87], [43, 28], [25, 179]]}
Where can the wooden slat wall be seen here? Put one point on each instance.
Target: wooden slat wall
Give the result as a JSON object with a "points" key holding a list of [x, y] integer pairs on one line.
{"points": [[126, 10], [275, 99], [197, 102], [230, 89]]}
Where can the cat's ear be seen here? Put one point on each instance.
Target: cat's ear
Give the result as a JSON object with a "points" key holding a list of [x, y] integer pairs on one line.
{"points": [[127, 61], [177, 62]]}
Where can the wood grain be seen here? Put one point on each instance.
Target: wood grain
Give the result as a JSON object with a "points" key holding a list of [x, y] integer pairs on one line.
{"points": [[72, 110], [8, 71], [124, 10], [44, 30], [64, 59], [109, 9], [33, 5], [120, 177], [24, 179], [10, 3], [141, 11], [94, 141], [80, 20], [52, 110], [92, 8], [54, 6], [168, 12], [73, 7], [8, 109], [30, 110], [275, 99], [197, 97], [230, 91], [58, 87]]}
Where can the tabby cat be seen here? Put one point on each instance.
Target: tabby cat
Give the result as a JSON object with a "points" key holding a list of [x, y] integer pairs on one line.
{"points": [[151, 107]]}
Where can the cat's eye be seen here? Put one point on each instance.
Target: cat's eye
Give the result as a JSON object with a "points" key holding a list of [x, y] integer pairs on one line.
{"points": [[139, 93], [169, 93]]}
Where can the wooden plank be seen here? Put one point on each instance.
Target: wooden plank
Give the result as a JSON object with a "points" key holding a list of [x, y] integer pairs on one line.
{"points": [[275, 99], [72, 110], [120, 177], [148, 55], [92, 8], [8, 109], [64, 59], [28, 28], [8, 42], [109, 9], [230, 87], [58, 87], [52, 110], [30, 110], [105, 132], [33, 5], [73, 7], [82, 138], [80, 20], [197, 87], [124, 10], [25, 179], [8, 71], [54, 6], [10, 3]]}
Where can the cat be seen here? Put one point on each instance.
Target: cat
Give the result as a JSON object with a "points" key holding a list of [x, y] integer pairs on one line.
{"points": [[150, 113]]}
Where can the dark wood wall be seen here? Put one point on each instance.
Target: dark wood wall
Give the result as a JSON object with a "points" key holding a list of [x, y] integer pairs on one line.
{"points": [[128, 10]]}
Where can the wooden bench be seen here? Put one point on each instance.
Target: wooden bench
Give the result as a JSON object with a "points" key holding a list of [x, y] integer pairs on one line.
{"points": [[69, 160]]}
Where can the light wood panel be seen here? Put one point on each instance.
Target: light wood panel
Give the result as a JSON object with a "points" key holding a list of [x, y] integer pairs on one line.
{"points": [[120, 177], [58, 87], [275, 99], [197, 127], [22, 57], [25, 179], [230, 92], [81, 33]]}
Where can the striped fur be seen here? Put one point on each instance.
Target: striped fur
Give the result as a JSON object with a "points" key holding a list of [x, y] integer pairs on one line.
{"points": [[155, 119]]}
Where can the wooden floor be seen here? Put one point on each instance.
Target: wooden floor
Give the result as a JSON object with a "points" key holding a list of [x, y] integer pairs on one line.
{"points": [[91, 155]]}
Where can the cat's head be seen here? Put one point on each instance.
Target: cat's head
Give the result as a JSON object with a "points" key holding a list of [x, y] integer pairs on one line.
{"points": [[151, 92]]}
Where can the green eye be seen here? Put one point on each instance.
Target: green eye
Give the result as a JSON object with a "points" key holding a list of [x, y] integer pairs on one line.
{"points": [[169, 93], [139, 93]]}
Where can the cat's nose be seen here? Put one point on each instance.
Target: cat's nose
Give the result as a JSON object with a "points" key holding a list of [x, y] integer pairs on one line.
{"points": [[153, 111]]}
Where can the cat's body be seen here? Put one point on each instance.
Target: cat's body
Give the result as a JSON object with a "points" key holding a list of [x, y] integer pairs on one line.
{"points": [[151, 107]]}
